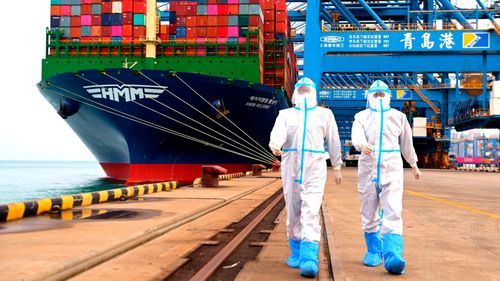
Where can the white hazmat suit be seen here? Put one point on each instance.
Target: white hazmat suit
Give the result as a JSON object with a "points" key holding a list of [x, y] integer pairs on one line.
{"points": [[382, 134], [301, 135]]}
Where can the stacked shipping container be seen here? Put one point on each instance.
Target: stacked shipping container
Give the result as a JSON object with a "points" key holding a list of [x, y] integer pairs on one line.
{"points": [[203, 27]]}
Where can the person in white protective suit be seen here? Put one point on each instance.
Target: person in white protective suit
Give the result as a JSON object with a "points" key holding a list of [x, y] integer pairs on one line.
{"points": [[300, 135], [382, 134]]}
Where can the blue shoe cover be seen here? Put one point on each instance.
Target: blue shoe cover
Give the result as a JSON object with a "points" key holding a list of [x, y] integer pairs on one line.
{"points": [[293, 261], [373, 256], [309, 259], [393, 253]]}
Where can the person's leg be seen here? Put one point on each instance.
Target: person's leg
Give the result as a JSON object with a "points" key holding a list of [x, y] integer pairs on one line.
{"points": [[369, 216], [391, 199], [312, 195], [291, 191]]}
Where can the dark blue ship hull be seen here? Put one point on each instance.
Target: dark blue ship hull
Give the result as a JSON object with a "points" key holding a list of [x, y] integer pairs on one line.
{"points": [[136, 127]]}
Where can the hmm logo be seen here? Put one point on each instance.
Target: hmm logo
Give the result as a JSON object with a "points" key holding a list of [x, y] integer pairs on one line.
{"points": [[125, 92], [331, 39], [472, 40]]}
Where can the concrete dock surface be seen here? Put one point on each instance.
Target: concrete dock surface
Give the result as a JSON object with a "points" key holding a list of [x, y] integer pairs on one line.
{"points": [[451, 232]]}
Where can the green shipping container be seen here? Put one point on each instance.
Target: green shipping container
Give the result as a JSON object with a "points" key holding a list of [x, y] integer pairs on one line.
{"points": [[139, 19]]}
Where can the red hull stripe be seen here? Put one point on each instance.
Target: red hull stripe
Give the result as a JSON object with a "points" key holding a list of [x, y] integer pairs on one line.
{"points": [[182, 173]]}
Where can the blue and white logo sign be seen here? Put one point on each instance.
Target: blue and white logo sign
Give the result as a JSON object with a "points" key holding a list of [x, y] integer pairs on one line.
{"points": [[472, 40], [124, 92], [331, 39]]}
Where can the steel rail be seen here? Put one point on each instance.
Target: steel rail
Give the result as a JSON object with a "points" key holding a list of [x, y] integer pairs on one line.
{"points": [[211, 267]]}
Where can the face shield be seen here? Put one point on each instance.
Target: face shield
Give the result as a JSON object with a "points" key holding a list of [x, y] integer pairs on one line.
{"points": [[304, 93], [379, 96]]}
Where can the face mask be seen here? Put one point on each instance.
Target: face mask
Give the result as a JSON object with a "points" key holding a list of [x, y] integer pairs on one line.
{"points": [[375, 102], [300, 100]]}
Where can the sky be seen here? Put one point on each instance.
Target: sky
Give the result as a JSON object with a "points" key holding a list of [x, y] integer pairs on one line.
{"points": [[30, 129]]}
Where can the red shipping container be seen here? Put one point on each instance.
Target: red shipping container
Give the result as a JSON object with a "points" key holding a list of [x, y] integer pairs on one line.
{"points": [[212, 21], [269, 36], [75, 21], [191, 21], [280, 5], [191, 32], [96, 20], [55, 10], [269, 5], [106, 31], [127, 6], [222, 31], [85, 39], [254, 20], [222, 20], [127, 39], [95, 31], [212, 32], [280, 27], [223, 9], [74, 32], [201, 21], [181, 10], [269, 26], [65, 10], [164, 37], [281, 16], [173, 6], [128, 30], [201, 32], [181, 21], [211, 2], [191, 10], [233, 10], [127, 18], [140, 7], [268, 15], [86, 9], [172, 28], [107, 8], [139, 31]]}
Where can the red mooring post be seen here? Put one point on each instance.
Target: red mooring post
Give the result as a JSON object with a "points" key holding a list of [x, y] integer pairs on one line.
{"points": [[257, 169], [276, 167], [210, 175]]}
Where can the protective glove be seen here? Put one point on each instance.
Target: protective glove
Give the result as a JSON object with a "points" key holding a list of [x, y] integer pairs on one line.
{"points": [[416, 172], [276, 151], [367, 148], [337, 175]]}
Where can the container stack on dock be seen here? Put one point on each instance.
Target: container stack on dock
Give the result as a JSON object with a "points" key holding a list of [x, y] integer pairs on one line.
{"points": [[476, 150], [203, 28]]}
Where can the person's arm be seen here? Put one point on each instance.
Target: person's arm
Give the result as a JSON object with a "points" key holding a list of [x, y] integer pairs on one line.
{"points": [[332, 141], [278, 134], [407, 149], [358, 137]]}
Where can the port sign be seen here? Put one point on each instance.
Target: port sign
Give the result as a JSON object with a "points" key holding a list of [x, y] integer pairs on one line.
{"points": [[472, 40]]}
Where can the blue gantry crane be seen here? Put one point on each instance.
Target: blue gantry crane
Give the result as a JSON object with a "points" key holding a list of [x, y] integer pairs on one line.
{"points": [[441, 60]]}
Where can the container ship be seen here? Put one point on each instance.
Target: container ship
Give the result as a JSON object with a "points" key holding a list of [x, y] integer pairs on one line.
{"points": [[156, 89]]}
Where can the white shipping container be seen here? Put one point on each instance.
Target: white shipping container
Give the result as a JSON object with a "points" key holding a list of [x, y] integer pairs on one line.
{"points": [[117, 7], [495, 90], [419, 132], [495, 106], [419, 122]]}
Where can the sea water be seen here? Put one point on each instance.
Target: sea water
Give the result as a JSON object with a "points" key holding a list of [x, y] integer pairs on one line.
{"points": [[28, 180]]}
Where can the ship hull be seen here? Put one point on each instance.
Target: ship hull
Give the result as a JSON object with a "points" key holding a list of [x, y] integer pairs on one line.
{"points": [[140, 132]]}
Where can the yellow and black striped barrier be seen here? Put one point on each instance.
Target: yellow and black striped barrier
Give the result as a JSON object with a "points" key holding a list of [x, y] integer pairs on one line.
{"points": [[231, 176], [20, 210]]}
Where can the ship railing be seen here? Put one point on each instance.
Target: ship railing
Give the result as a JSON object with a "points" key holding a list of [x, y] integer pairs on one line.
{"points": [[58, 46]]}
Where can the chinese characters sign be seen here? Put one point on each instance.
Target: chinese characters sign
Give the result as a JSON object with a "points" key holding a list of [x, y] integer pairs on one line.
{"points": [[442, 40]]}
